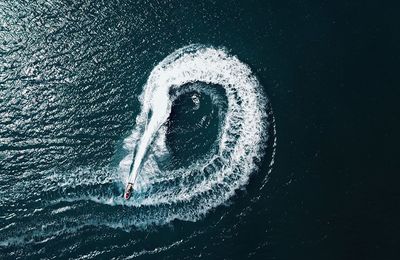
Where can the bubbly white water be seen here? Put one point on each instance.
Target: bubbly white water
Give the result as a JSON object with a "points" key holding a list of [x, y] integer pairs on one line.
{"points": [[206, 183]]}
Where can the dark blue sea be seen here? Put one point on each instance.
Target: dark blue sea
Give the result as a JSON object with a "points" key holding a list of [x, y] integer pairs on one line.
{"points": [[250, 129]]}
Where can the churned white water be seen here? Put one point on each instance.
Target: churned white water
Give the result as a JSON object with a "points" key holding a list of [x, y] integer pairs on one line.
{"points": [[208, 182]]}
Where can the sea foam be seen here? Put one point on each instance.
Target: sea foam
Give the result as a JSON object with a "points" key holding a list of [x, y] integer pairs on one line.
{"points": [[208, 182]]}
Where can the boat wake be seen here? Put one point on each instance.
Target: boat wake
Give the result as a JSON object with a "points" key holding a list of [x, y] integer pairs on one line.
{"points": [[214, 178]]}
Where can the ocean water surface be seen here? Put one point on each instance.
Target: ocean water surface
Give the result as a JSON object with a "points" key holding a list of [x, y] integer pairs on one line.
{"points": [[229, 116]]}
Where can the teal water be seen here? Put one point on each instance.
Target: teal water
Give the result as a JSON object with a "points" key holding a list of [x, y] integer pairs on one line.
{"points": [[71, 78]]}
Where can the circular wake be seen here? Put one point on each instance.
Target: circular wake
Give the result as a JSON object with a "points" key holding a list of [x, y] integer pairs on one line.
{"points": [[189, 192]]}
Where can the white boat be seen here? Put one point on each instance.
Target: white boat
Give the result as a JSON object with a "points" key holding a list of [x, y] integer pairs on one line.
{"points": [[128, 191]]}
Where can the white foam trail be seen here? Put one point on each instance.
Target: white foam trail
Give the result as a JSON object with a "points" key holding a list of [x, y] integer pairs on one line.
{"points": [[243, 130], [160, 107]]}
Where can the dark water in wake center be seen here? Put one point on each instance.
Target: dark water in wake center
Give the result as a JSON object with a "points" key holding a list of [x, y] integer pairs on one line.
{"points": [[71, 73]]}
